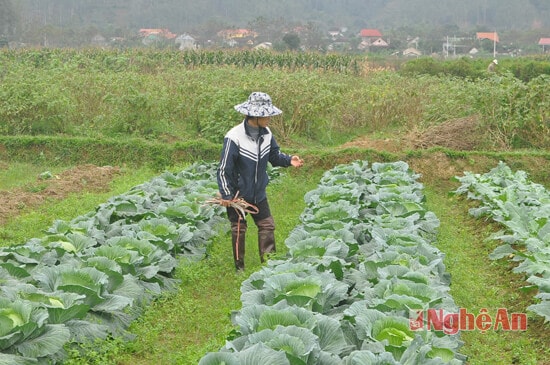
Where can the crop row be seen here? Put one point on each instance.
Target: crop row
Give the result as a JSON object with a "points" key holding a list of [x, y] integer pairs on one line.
{"points": [[90, 277], [522, 207], [149, 61], [360, 271]]}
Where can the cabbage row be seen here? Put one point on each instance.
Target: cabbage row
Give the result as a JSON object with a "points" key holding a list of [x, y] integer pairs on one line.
{"points": [[88, 278], [523, 209], [359, 262]]}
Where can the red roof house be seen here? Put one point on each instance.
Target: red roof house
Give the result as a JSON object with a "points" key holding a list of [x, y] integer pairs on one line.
{"points": [[370, 33], [544, 42], [371, 37], [493, 36]]}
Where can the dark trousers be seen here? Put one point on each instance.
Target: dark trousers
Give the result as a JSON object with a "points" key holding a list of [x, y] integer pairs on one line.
{"points": [[266, 235]]}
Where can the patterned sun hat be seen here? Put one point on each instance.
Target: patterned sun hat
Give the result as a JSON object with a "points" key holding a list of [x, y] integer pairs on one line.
{"points": [[258, 105]]}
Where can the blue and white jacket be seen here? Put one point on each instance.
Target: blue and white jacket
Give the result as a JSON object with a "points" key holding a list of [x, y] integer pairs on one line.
{"points": [[243, 163]]}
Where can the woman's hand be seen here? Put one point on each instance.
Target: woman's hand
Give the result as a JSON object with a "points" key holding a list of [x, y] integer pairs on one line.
{"points": [[296, 161]]}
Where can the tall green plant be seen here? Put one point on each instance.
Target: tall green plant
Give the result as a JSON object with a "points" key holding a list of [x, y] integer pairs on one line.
{"points": [[185, 95], [515, 113]]}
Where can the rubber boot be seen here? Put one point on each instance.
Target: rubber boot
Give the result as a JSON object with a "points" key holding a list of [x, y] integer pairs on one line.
{"points": [[266, 236], [238, 231]]}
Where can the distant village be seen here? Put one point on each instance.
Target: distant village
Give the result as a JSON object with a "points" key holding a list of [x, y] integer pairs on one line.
{"points": [[367, 40], [335, 40]]}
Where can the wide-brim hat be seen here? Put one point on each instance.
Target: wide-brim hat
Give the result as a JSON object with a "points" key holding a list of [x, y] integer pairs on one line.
{"points": [[258, 105]]}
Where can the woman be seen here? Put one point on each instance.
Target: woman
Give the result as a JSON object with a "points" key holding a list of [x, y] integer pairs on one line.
{"points": [[242, 172]]}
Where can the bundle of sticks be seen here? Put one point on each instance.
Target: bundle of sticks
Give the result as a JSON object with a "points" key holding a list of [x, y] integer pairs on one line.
{"points": [[239, 204]]}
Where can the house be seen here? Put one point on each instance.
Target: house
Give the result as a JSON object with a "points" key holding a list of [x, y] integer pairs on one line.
{"points": [[544, 42], [159, 33], [185, 41], [371, 37], [367, 44], [379, 43], [236, 34], [492, 36], [336, 33], [369, 34], [412, 52], [236, 37], [153, 36], [264, 45]]}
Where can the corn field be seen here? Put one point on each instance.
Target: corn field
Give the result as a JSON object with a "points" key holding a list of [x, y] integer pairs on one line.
{"points": [[150, 60]]}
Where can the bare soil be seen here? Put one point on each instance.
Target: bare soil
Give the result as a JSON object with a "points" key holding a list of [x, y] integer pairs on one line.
{"points": [[89, 178]]}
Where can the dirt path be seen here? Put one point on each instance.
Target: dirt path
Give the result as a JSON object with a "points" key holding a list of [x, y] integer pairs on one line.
{"points": [[80, 178]]}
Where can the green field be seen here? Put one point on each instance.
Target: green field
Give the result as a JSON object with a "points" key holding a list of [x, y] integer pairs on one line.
{"points": [[145, 113]]}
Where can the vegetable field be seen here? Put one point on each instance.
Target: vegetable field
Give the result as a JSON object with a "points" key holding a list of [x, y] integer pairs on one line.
{"points": [[417, 231], [359, 263], [522, 207], [361, 280], [89, 278]]}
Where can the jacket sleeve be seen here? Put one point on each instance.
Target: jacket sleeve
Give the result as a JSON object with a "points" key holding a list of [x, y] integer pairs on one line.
{"points": [[228, 178], [276, 157]]}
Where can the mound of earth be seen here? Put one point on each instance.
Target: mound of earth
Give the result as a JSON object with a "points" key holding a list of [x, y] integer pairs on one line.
{"points": [[461, 134], [80, 178]]}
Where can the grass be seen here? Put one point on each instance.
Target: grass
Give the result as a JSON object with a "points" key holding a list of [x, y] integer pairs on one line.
{"points": [[179, 327], [32, 223], [17, 174], [478, 282]]}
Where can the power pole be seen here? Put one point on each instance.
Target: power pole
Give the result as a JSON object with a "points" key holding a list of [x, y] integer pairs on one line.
{"points": [[495, 44]]}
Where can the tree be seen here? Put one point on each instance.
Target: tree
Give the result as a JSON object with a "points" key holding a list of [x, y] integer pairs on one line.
{"points": [[292, 41], [8, 18]]}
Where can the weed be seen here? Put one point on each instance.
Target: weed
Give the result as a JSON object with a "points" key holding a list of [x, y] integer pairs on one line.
{"points": [[35, 188]]}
